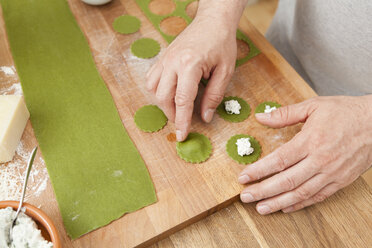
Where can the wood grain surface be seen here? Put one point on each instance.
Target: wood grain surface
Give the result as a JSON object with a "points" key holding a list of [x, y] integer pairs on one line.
{"points": [[188, 192]]}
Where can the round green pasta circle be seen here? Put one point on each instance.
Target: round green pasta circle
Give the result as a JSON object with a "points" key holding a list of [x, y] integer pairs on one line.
{"points": [[145, 48], [245, 111], [232, 149], [196, 148], [126, 24], [261, 107], [150, 118]]}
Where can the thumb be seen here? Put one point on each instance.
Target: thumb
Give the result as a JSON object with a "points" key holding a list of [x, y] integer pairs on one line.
{"points": [[215, 91], [287, 115]]}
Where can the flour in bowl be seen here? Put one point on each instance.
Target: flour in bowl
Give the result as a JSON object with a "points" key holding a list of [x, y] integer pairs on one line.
{"points": [[25, 232]]}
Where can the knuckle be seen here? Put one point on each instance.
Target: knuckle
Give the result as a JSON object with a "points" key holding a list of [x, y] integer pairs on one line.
{"points": [[303, 194], [319, 197], [282, 113], [188, 59], [215, 98], [281, 162], [161, 98], [182, 100], [288, 183]]}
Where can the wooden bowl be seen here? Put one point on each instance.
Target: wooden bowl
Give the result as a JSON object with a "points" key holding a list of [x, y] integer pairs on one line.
{"points": [[44, 223]]}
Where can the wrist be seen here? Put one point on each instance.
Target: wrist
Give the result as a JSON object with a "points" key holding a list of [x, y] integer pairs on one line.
{"points": [[221, 13]]}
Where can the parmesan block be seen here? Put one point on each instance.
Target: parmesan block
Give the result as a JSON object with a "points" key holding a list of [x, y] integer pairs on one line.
{"points": [[13, 119]]}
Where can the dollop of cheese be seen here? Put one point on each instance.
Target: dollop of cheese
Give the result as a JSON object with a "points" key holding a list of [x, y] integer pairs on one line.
{"points": [[244, 147], [232, 107], [269, 109], [25, 232]]}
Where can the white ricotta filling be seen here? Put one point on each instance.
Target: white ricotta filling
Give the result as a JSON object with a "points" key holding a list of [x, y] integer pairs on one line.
{"points": [[269, 109], [25, 232], [244, 147], [232, 107]]}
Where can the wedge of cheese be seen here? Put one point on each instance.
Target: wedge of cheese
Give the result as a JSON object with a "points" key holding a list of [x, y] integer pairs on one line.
{"points": [[13, 119]]}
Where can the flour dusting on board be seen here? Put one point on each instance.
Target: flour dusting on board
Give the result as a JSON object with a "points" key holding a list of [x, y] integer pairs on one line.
{"points": [[12, 174], [14, 89], [8, 70]]}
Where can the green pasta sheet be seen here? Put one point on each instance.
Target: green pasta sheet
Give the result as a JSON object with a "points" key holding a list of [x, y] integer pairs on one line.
{"points": [[96, 171]]}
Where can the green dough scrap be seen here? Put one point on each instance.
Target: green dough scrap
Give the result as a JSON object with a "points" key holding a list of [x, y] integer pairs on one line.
{"points": [[150, 118], [95, 169], [196, 148], [145, 48], [126, 24], [245, 111], [232, 149], [261, 107]]}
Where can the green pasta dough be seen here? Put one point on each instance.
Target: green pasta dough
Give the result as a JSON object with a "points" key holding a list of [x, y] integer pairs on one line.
{"points": [[245, 110], [95, 169], [150, 118], [126, 24], [232, 150], [261, 107], [145, 48], [196, 148]]}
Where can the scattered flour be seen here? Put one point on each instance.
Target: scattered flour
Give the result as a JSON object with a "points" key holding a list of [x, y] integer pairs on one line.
{"points": [[232, 107], [7, 70], [14, 89], [269, 109], [12, 174], [117, 173], [244, 147]]}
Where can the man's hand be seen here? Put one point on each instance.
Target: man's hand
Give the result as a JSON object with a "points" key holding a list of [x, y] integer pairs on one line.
{"points": [[206, 48], [332, 150]]}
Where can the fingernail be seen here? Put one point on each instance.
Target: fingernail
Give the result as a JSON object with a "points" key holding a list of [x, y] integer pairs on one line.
{"points": [[287, 210], [243, 179], [263, 115], [179, 135], [246, 197], [263, 209], [208, 115]]}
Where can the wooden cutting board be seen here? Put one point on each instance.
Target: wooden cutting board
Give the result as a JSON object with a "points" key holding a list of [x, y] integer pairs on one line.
{"points": [[186, 192]]}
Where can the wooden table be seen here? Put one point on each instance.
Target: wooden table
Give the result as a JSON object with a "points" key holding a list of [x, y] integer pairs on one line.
{"points": [[343, 220]]}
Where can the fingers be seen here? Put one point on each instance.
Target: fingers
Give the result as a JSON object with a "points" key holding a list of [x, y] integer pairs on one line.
{"points": [[300, 194], [153, 77], [282, 182], [287, 115], [323, 194], [214, 91], [165, 93], [285, 156], [187, 89]]}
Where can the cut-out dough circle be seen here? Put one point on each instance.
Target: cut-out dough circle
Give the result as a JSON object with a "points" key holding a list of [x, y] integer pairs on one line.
{"points": [[126, 24], [150, 118], [173, 25], [162, 7], [196, 148], [232, 150], [245, 111], [261, 107], [145, 48], [192, 8]]}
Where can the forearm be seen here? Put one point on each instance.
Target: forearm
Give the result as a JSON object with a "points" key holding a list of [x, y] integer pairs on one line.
{"points": [[226, 12]]}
